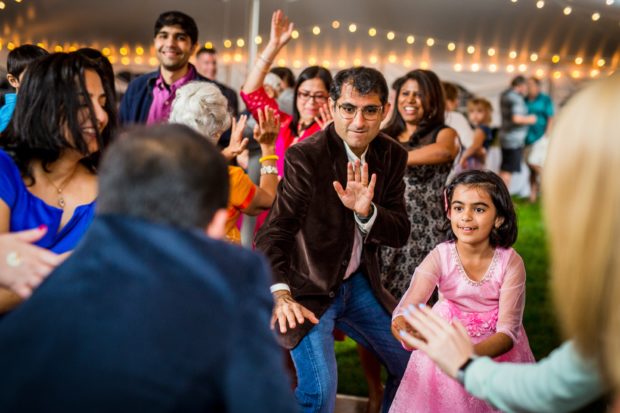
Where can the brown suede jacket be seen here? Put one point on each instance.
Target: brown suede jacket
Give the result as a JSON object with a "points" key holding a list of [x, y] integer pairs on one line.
{"points": [[308, 235]]}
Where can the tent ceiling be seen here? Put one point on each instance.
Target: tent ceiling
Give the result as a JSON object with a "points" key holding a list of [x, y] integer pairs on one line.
{"points": [[501, 24]]}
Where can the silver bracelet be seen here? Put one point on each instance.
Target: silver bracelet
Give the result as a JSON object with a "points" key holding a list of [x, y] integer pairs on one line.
{"points": [[268, 170]]}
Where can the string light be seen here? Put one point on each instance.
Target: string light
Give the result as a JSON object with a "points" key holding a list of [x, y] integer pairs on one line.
{"points": [[451, 46], [125, 61], [295, 34], [373, 59], [316, 30], [596, 16], [540, 4], [557, 74], [407, 63], [540, 73], [430, 42], [296, 64], [410, 39], [522, 68], [208, 45], [510, 68], [357, 61], [491, 52], [392, 58], [576, 74], [240, 42], [372, 32], [475, 67], [281, 62], [390, 35], [258, 40], [609, 2], [534, 57], [555, 59], [594, 73], [512, 54], [423, 64], [312, 61], [139, 50], [579, 60], [568, 10], [492, 67], [237, 57], [341, 63], [123, 51], [458, 67], [471, 49], [600, 62], [105, 51], [227, 44], [353, 27], [2, 5], [336, 24]]}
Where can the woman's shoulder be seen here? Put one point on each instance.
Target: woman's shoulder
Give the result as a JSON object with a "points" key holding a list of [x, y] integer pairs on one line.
{"points": [[8, 167]]}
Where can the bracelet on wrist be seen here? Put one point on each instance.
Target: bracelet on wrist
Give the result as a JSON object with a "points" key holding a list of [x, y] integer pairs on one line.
{"points": [[268, 158], [268, 170], [260, 57], [460, 374]]}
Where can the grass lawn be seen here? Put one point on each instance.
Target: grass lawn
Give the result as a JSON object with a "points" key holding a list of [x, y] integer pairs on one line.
{"points": [[539, 321]]}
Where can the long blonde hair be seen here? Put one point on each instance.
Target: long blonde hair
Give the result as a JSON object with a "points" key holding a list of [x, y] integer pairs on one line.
{"points": [[582, 211]]}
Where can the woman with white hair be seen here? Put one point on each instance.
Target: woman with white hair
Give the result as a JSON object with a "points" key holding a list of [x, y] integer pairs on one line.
{"points": [[201, 106]]}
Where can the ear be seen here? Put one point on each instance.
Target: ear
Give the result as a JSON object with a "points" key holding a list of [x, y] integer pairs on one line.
{"points": [[13, 81], [332, 107], [217, 227], [386, 110], [498, 222]]}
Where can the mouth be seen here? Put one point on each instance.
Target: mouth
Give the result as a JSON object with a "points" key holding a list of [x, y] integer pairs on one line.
{"points": [[467, 229], [410, 110]]}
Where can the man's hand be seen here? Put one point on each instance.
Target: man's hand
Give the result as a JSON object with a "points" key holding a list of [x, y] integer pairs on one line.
{"points": [[359, 192], [287, 309]]}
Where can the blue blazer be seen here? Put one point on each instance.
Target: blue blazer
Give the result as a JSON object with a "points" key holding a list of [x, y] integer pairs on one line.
{"points": [[146, 318]]}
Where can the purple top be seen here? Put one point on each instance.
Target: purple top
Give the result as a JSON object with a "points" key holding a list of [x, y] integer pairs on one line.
{"points": [[163, 95]]}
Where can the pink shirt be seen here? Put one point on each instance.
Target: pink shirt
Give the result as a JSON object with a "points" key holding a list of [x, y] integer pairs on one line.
{"points": [[163, 96]]}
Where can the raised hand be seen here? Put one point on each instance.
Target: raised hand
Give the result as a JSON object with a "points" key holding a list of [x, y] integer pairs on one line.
{"points": [[358, 194], [281, 29], [287, 310], [325, 117], [268, 127], [237, 142]]}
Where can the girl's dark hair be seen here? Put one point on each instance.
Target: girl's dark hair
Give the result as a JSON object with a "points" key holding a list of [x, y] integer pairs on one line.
{"points": [[506, 234], [51, 96], [312, 72], [433, 102]]}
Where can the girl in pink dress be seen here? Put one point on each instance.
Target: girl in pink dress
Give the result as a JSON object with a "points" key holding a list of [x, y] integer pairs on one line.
{"points": [[481, 282]]}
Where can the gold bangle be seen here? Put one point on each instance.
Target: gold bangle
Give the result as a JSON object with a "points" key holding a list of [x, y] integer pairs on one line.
{"points": [[260, 57], [269, 158]]}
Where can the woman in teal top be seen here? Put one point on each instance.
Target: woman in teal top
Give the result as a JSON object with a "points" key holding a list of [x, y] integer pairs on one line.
{"points": [[581, 212], [63, 119]]}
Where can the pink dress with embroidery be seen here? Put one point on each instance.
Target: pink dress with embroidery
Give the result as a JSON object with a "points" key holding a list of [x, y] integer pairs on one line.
{"points": [[494, 304]]}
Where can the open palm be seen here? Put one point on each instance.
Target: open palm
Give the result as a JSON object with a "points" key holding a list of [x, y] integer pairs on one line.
{"points": [[358, 194]]}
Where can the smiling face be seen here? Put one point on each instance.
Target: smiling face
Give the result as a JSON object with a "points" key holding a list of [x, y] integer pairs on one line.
{"points": [[473, 215], [174, 47], [477, 115], [311, 95], [97, 97], [358, 131], [409, 102]]}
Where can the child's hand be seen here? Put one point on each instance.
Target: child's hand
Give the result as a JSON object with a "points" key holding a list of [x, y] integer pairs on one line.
{"points": [[400, 324], [446, 343]]}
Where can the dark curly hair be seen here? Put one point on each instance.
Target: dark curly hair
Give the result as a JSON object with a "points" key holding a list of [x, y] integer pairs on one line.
{"points": [[504, 236]]}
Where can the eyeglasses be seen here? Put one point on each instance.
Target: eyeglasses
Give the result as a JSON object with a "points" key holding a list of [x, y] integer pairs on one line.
{"points": [[348, 112], [318, 98]]}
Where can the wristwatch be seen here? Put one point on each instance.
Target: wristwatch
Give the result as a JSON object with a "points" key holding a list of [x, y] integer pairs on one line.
{"points": [[460, 374]]}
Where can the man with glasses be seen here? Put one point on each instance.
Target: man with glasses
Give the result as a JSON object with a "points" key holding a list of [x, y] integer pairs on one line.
{"points": [[342, 196]]}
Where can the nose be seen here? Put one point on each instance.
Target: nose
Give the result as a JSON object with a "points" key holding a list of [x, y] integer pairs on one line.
{"points": [[358, 120], [101, 115]]}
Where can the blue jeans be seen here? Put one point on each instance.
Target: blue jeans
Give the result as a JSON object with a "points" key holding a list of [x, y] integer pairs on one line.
{"points": [[356, 311]]}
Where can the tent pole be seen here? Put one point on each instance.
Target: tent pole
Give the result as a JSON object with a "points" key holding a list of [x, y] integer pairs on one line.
{"points": [[253, 32]]}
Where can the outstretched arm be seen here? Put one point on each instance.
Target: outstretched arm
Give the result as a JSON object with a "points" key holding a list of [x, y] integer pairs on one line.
{"points": [[280, 35]]}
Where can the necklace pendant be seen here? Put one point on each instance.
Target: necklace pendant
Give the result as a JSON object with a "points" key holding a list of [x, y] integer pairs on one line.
{"points": [[61, 202]]}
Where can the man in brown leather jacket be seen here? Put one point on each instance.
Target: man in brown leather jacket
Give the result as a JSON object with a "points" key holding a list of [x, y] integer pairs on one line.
{"points": [[342, 196]]}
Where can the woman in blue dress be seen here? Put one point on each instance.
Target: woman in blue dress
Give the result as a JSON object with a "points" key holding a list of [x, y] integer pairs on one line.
{"points": [[64, 118]]}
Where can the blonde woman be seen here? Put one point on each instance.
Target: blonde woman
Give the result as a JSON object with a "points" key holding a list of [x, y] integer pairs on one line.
{"points": [[581, 212]]}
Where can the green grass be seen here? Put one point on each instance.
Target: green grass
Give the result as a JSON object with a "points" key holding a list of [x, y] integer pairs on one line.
{"points": [[538, 319]]}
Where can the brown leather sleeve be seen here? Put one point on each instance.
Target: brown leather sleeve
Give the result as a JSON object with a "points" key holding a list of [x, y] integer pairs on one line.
{"points": [[276, 237]]}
